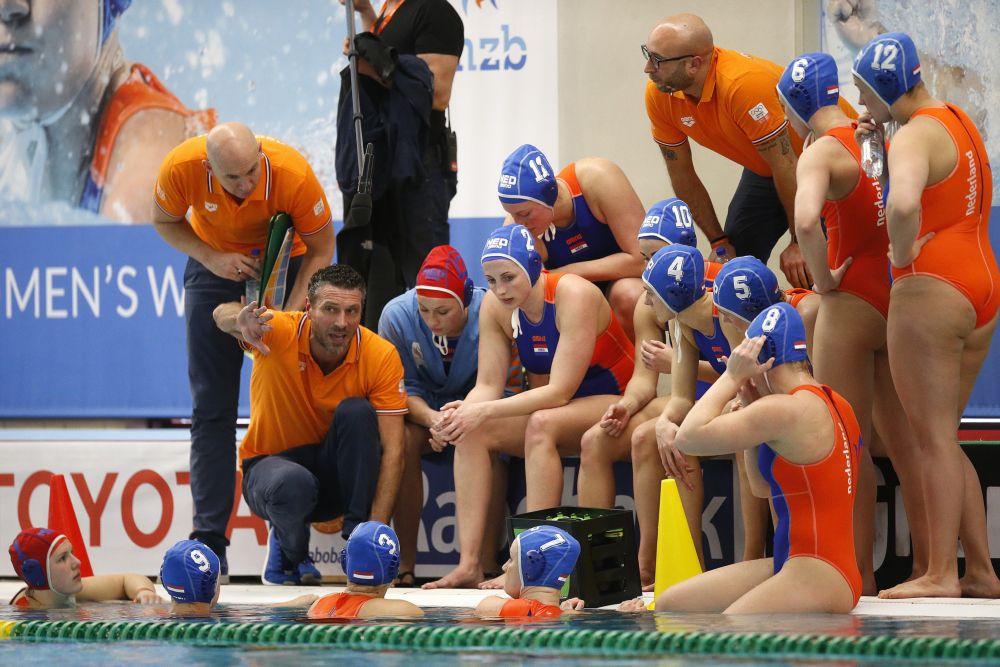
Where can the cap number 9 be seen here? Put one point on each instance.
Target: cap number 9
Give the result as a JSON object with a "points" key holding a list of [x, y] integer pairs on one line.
{"points": [[200, 560]]}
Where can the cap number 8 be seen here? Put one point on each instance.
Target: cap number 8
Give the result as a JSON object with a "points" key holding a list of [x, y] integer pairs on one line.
{"points": [[770, 320]]}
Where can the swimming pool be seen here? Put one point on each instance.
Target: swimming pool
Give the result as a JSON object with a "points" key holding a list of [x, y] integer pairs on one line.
{"points": [[257, 634]]}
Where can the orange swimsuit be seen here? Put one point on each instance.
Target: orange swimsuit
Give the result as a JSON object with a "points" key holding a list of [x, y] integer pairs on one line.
{"points": [[957, 209], [815, 502], [339, 605], [523, 608], [794, 295], [855, 227], [140, 91]]}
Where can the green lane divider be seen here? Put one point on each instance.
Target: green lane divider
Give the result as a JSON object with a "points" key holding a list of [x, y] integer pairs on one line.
{"points": [[518, 639]]}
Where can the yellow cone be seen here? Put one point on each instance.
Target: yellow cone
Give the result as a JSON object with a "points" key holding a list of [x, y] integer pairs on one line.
{"points": [[676, 559]]}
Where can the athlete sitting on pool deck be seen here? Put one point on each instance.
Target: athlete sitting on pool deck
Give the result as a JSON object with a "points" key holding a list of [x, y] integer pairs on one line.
{"points": [[808, 465], [371, 562], [541, 559]]}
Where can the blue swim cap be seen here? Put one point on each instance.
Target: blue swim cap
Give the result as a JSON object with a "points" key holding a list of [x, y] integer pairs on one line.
{"points": [[526, 175], [190, 572], [808, 83], [669, 220], [111, 10], [545, 556], [782, 325], [514, 242], [889, 64], [371, 557], [744, 287], [676, 273]]}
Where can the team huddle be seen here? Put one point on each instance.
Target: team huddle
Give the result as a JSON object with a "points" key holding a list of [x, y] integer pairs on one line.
{"points": [[804, 385], [591, 300]]}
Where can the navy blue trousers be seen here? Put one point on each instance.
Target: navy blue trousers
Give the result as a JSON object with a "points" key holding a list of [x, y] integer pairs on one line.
{"points": [[756, 219], [318, 482], [214, 363]]}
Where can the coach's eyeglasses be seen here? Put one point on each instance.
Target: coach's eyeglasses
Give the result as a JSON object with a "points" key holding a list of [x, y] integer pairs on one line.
{"points": [[659, 60]]}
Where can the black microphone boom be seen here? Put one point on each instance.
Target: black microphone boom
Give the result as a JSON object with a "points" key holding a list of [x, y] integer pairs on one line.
{"points": [[360, 213]]}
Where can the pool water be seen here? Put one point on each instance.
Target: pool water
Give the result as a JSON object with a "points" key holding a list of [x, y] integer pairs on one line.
{"points": [[24, 652]]}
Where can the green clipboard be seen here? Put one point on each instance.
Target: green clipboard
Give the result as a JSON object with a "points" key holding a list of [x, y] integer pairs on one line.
{"points": [[274, 267]]}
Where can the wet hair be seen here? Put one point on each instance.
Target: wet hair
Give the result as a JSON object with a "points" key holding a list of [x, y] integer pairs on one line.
{"points": [[336, 275]]}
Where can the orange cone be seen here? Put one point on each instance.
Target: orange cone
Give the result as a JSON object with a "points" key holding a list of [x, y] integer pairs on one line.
{"points": [[62, 519]]}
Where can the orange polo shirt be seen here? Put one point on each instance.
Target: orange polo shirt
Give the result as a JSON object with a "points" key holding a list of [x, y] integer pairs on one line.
{"points": [[287, 183], [292, 401], [738, 110]]}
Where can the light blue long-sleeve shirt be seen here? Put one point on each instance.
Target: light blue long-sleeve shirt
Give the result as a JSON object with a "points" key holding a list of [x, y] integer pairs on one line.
{"points": [[423, 366]]}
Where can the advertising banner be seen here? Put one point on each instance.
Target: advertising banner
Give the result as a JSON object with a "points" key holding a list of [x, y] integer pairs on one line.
{"points": [[132, 501]]}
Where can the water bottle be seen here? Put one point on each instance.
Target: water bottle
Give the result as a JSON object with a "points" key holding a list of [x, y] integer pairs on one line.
{"points": [[253, 284], [873, 154], [720, 255]]}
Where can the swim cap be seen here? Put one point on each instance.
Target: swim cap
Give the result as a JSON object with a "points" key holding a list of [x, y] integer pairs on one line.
{"points": [[745, 286], [527, 176], [30, 552], [190, 572], [782, 325], [889, 64], [111, 10], [808, 83], [669, 220], [371, 557], [514, 242], [676, 273], [545, 556], [443, 273]]}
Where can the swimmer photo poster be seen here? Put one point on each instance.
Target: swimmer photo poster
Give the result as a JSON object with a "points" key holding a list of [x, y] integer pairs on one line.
{"points": [[92, 297]]}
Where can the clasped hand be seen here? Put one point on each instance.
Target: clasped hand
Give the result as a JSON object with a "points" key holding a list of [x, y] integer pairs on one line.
{"points": [[457, 420]]}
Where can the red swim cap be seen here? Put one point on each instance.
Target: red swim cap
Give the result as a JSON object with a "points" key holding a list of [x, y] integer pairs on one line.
{"points": [[442, 274], [30, 552]]}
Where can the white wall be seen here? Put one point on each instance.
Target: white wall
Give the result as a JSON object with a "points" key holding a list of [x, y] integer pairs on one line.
{"points": [[601, 82]]}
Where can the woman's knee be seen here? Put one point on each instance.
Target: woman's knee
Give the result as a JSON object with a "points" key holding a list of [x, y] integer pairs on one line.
{"points": [[624, 294], [540, 432], [643, 442], [593, 446]]}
